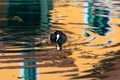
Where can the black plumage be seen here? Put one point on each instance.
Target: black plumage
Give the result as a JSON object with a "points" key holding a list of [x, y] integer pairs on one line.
{"points": [[59, 38]]}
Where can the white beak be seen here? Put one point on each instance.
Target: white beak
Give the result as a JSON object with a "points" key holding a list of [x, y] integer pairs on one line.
{"points": [[58, 36]]}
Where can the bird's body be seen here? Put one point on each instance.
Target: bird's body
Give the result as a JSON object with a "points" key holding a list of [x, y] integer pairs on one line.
{"points": [[59, 38]]}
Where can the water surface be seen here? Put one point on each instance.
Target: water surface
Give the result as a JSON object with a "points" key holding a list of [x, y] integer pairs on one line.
{"points": [[92, 27]]}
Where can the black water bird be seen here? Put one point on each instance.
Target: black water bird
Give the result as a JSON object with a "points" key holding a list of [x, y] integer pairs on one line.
{"points": [[59, 38]]}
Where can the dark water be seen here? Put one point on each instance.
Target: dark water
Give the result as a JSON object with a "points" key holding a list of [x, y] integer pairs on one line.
{"points": [[25, 27], [23, 23]]}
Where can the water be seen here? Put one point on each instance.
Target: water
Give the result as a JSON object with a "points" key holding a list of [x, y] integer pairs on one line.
{"points": [[91, 26]]}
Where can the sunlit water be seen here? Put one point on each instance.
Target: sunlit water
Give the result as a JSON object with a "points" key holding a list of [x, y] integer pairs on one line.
{"points": [[92, 28]]}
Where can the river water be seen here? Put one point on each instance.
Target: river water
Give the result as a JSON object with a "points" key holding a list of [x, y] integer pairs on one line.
{"points": [[92, 28]]}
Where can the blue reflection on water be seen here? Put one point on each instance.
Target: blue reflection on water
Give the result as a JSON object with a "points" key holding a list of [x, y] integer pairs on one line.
{"points": [[29, 73], [98, 19]]}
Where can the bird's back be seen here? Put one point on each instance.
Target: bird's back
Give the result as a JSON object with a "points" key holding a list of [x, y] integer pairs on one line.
{"points": [[62, 39]]}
